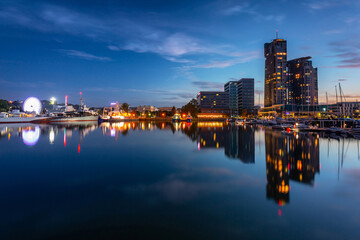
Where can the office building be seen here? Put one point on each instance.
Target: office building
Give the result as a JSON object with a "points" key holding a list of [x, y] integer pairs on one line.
{"points": [[241, 95], [275, 73], [231, 88], [245, 89], [213, 102], [303, 82]]}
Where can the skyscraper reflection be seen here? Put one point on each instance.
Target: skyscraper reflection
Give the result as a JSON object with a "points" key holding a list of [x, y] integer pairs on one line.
{"points": [[277, 167], [238, 142], [241, 144], [289, 157]]}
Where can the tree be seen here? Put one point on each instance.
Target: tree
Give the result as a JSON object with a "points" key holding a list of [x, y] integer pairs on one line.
{"points": [[125, 107], [173, 110], [191, 107], [4, 105]]}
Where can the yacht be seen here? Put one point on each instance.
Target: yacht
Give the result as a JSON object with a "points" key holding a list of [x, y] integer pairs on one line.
{"points": [[16, 116]]}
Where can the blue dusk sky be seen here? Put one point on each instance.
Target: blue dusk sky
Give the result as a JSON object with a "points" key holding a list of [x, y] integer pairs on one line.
{"points": [[163, 52]]}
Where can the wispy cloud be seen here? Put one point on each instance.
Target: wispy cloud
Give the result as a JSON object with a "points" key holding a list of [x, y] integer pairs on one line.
{"points": [[325, 4], [209, 85], [84, 55], [347, 53], [118, 32], [246, 8], [333, 31]]}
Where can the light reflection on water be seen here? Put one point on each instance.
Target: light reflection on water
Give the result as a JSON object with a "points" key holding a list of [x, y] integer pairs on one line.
{"points": [[211, 179]]}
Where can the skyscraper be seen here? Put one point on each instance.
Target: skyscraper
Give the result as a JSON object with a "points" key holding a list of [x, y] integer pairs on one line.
{"points": [[231, 87], [241, 95], [303, 82], [275, 72], [245, 95]]}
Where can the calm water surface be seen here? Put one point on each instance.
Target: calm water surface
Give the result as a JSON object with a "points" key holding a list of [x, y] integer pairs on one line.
{"points": [[185, 181]]}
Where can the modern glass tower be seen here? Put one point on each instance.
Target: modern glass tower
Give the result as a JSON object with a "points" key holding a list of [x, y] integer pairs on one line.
{"points": [[241, 95], [303, 82], [275, 73], [231, 87]]}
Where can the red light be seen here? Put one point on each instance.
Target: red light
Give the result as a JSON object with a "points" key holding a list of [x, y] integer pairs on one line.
{"points": [[288, 130], [80, 92], [79, 148], [199, 146], [65, 140], [279, 212]]}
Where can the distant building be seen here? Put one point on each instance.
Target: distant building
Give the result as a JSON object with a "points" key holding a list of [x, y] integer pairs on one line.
{"points": [[241, 95], [143, 109], [165, 109], [245, 95], [213, 102], [231, 88], [303, 82], [275, 72]]}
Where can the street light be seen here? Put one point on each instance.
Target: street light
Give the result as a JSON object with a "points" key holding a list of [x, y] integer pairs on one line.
{"points": [[52, 100]]}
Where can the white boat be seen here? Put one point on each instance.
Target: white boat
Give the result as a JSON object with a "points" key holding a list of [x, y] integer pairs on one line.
{"points": [[18, 117], [25, 120], [300, 127], [69, 119]]}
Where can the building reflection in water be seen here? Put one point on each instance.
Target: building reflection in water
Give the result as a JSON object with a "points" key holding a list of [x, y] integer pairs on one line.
{"points": [[237, 142], [289, 157], [241, 144]]}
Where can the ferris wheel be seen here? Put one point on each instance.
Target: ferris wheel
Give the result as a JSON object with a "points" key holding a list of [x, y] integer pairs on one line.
{"points": [[32, 104]]}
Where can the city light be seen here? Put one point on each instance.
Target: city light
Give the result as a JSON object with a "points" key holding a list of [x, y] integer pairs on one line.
{"points": [[32, 104], [52, 100]]}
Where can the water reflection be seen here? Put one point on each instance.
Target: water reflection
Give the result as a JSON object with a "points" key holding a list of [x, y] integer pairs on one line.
{"points": [[30, 135], [289, 157], [123, 173]]}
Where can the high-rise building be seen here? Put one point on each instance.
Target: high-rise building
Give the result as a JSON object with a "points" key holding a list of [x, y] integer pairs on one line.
{"points": [[275, 72], [245, 90], [241, 95], [231, 88], [303, 82]]}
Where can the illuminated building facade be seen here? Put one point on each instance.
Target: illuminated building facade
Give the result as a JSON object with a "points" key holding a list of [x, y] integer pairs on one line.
{"points": [[276, 83], [241, 95], [303, 82], [213, 102]]}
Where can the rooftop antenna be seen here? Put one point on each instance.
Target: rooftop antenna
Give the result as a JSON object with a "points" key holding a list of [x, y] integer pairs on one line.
{"points": [[277, 34], [81, 99]]}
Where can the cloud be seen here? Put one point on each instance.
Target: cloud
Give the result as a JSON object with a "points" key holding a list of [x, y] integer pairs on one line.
{"points": [[84, 55], [118, 31], [322, 4], [236, 58], [208, 85], [347, 52], [114, 48], [333, 31], [246, 8]]}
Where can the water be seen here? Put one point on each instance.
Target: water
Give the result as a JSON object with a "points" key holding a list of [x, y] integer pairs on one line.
{"points": [[185, 181]]}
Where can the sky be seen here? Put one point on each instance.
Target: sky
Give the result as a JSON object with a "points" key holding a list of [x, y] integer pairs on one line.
{"points": [[163, 52]]}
